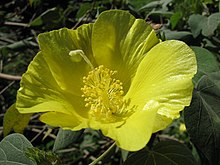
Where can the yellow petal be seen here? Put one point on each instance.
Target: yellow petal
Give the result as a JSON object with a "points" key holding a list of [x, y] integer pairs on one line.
{"points": [[56, 47], [136, 131], [65, 121], [38, 88], [165, 75], [161, 122], [39, 92], [54, 78], [119, 42]]}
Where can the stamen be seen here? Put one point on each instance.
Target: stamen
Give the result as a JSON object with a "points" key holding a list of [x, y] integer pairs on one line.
{"points": [[103, 94]]}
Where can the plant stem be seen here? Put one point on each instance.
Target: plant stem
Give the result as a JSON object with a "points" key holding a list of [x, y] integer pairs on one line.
{"points": [[16, 24], [103, 155], [10, 77]]}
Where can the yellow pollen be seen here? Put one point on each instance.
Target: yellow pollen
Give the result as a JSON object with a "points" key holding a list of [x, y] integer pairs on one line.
{"points": [[103, 94]]}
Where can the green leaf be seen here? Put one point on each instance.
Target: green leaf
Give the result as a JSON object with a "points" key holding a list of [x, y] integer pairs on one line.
{"points": [[206, 25], [211, 24], [124, 154], [42, 158], [156, 4], [219, 6], [65, 138], [83, 9], [175, 19], [139, 3], [165, 153], [13, 120], [34, 2], [150, 5], [51, 18], [177, 35], [12, 150], [19, 45], [206, 62], [207, 1], [202, 118], [196, 23]]}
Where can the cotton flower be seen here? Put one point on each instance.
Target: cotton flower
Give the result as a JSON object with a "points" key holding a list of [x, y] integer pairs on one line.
{"points": [[113, 75]]}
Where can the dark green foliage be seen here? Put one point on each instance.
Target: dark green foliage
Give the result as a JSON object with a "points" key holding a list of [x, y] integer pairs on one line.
{"points": [[165, 152], [66, 138], [203, 24], [41, 157], [13, 120], [203, 117], [12, 150], [206, 61]]}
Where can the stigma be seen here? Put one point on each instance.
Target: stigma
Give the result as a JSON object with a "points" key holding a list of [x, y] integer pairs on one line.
{"points": [[103, 94]]}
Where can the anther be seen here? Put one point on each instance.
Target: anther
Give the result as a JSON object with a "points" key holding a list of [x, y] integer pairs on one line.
{"points": [[102, 93]]}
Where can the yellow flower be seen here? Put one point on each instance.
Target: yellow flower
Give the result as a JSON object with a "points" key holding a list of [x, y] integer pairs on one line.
{"points": [[113, 75]]}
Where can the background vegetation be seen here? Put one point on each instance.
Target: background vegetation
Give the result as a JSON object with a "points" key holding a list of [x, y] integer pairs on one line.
{"points": [[196, 22]]}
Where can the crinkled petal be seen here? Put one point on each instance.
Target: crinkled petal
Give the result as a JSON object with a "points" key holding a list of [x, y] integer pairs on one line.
{"points": [[63, 120], [165, 75], [39, 92], [136, 131], [119, 42], [67, 70], [54, 78]]}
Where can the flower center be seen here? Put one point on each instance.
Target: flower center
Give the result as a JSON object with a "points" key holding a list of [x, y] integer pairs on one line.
{"points": [[103, 94]]}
